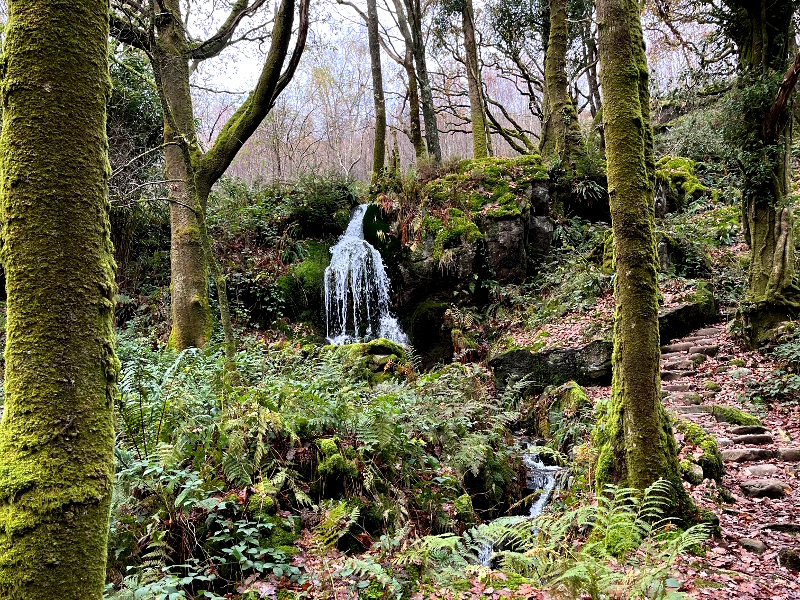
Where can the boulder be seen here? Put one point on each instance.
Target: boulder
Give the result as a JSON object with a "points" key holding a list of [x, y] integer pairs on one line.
{"points": [[753, 545], [588, 365], [505, 248], [698, 310], [762, 470], [755, 439], [540, 234], [764, 488], [789, 454], [747, 430]]}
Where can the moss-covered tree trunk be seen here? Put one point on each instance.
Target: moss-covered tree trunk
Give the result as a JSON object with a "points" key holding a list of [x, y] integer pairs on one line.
{"points": [[634, 435], [477, 115], [56, 435], [379, 148], [414, 8], [763, 35], [191, 310], [561, 132], [415, 131]]}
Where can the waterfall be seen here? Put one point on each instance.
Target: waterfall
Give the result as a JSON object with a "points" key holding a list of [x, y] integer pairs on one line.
{"points": [[539, 478], [357, 290]]}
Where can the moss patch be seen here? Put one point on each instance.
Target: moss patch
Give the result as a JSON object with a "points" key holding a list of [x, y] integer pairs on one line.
{"points": [[678, 174], [711, 460], [734, 416]]}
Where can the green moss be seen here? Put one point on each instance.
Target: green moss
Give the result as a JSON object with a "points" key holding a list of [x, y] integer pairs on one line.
{"points": [[734, 416], [456, 230], [711, 460], [608, 255], [736, 362], [678, 174], [333, 462], [370, 361], [302, 285], [462, 509], [712, 386]]}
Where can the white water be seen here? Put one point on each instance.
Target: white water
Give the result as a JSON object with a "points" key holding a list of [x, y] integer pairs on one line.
{"points": [[357, 290], [539, 477]]}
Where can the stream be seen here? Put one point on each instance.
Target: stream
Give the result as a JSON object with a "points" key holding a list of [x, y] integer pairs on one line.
{"points": [[539, 477]]}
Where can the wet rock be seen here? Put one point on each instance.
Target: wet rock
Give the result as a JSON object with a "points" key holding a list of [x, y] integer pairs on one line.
{"points": [[754, 439], [764, 488], [747, 430], [747, 454], [587, 365], [540, 234], [505, 248], [753, 545], [762, 470]]}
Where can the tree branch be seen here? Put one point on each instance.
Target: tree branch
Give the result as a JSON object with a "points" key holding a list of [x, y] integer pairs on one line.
{"points": [[220, 40], [785, 90]]}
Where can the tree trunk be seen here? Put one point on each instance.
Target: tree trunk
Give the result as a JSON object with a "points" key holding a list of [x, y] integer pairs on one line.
{"points": [[634, 436], [426, 94], [191, 312], [379, 150], [561, 133], [413, 107], [57, 434], [479, 148], [768, 224]]}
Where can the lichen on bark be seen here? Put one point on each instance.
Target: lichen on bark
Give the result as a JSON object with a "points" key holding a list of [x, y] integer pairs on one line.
{"points": [[633, 433], [56, 435]]}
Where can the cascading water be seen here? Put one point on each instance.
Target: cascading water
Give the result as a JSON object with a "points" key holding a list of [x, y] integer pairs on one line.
{"points": [[357, 290], [539, 477]]}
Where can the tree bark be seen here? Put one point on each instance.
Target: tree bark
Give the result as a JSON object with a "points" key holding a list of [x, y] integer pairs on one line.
{"points": [[191, 311], [56, 434], [768, 223], [477, 116], [634, 435], [379, 150], [561, 132], [413, 106], [426, 93]]}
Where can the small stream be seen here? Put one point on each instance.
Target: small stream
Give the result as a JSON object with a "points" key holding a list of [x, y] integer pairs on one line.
{"points": [[540, 477]]}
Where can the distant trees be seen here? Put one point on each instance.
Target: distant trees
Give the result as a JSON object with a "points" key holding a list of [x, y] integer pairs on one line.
{"points": [[57, 433], [634, 436], [161, 31]]}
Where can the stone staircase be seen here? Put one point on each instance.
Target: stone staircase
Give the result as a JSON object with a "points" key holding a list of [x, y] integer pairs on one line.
{"points": [[757, 455]]}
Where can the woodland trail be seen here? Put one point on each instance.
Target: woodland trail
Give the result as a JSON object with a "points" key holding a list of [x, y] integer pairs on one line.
{"points": [[756, 556]]}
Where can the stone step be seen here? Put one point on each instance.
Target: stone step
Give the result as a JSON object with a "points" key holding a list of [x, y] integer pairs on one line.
{"points": [[756, 439], [789, 454], [747, 430], [764, 488], [678, 365], [709, 331], [704, 350], [674, 375], [676, 387], [747, 454], [762, 470], [679, 347], [692, 409], [685, 398], [670, 355], [724, 442]]}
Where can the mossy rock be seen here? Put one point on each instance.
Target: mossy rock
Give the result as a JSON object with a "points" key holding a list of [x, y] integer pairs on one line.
{"points": [[711, 460], [697, 310], [372, 361], [734, 416], [678, 176], [303, 285], [554, 409], [379, 232], [712, 386]]}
